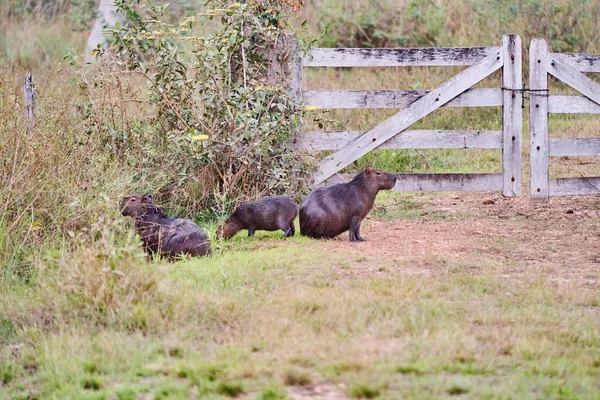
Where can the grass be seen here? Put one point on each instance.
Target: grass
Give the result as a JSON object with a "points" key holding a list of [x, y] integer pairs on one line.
{"points": [[254, 321], [84, 315]]}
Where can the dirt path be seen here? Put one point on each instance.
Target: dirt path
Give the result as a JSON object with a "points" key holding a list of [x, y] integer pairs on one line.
{"points": [[462, 229]]}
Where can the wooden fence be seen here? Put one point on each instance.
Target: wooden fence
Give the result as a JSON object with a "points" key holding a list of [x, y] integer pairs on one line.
{"points": [[569, 69], [348, 146]]}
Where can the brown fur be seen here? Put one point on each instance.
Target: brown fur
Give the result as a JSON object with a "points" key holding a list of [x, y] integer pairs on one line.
{"points": [[329, 211], [163, 235], [268, 214]]}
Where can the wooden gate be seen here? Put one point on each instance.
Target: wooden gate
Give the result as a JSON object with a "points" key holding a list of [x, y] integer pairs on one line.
{"points": [[456, 92], [569, 69]]}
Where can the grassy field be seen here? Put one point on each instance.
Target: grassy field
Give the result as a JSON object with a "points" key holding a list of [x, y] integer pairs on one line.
{"points": [[449, 297]]}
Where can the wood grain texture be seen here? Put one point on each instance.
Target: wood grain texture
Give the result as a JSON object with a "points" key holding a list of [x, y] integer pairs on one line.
{"points": [[512, 116], [572, 105], [339, 99], [574, 186], [538, 119], [397, 57], [414, 139], [581, 62], [574, 147], [574, 78]]}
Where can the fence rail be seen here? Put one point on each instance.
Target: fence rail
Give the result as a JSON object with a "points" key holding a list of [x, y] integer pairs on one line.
{"points": [[396, 98], [416, 139], [423, 57], [483, 182]]}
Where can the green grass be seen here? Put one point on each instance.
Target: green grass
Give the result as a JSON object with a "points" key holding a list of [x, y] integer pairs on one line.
{"points": [[277, 313]]}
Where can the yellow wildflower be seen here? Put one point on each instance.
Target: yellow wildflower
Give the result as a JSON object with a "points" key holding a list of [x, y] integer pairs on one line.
{"points": [[311, 108], [199, 138]]}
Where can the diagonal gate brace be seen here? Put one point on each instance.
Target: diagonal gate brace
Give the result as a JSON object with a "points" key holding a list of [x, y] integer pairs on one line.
{"points": [[578, 81], [392, 126]]}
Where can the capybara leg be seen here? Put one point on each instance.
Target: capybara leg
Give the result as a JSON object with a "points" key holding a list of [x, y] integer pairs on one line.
{"points": [[355, 230], [360, 238], [292, 229], [288, 232], [250, 232]]}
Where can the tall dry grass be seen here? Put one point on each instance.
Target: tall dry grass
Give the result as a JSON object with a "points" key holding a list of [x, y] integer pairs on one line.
{"points": [[569, 26]]}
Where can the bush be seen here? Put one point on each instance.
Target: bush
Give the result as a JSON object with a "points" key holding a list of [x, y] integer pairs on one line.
{"points": [[215, 112]]}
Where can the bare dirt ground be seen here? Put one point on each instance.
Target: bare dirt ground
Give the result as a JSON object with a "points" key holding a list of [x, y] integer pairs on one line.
{"points": [[467, 229]]}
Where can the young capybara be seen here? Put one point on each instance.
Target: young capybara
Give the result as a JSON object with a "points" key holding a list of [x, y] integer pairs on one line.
{"points": [[163, 235], [268, 214], [329, 211]]}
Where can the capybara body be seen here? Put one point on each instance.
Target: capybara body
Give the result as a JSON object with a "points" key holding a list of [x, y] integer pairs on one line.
{"points": [[163, 235], [329, 211], [268, 214]]}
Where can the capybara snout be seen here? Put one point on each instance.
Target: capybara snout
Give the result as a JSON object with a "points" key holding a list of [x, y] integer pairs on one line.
{"points": [[386, 180]]}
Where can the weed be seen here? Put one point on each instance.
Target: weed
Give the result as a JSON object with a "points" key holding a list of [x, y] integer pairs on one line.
{"points": [[176, 352], [91, 383], [273, 392], [410, 369], [7, 373], [91, 367], [457, 390], [296, 377], [126, 394], [231, 389], [364, 391]]}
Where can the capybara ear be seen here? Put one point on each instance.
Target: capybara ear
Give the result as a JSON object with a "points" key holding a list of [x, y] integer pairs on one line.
{"points": [[147, 198], [368, 170]]}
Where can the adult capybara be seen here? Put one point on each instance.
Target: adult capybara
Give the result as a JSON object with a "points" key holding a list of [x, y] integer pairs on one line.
{"points": [[268, 214], [329, 211], [163, 235]]}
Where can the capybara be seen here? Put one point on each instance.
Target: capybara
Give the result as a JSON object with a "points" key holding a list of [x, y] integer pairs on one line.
{"points": [[163, 235], [268, 214], [329, 211]]}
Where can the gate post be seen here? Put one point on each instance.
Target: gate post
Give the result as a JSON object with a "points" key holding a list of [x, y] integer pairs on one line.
{"points": [[512, 115], [538, 118]]}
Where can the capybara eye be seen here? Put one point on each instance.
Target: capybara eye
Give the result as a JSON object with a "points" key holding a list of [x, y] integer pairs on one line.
{"points": [[377, 172], [132, 200]]}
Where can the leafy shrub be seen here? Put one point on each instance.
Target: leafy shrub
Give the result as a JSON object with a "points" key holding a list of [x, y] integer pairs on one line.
{"points": [[216, 111]]}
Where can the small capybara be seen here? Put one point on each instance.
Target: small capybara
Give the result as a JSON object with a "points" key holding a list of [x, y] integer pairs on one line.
{"points": [[163, 235], [268, 214], [329, 211]]}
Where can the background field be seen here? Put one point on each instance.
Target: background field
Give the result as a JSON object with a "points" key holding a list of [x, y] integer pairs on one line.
{"points": [[448, 298]]}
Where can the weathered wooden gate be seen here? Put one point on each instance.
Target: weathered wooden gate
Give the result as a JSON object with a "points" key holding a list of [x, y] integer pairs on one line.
{"points": [[456, 92], [569, 69]]}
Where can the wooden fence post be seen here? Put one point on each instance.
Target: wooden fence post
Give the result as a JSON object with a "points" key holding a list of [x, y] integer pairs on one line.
{"points": [[512, 115], [29, 94], [538, 119], [296, 74], [285, 65]]}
